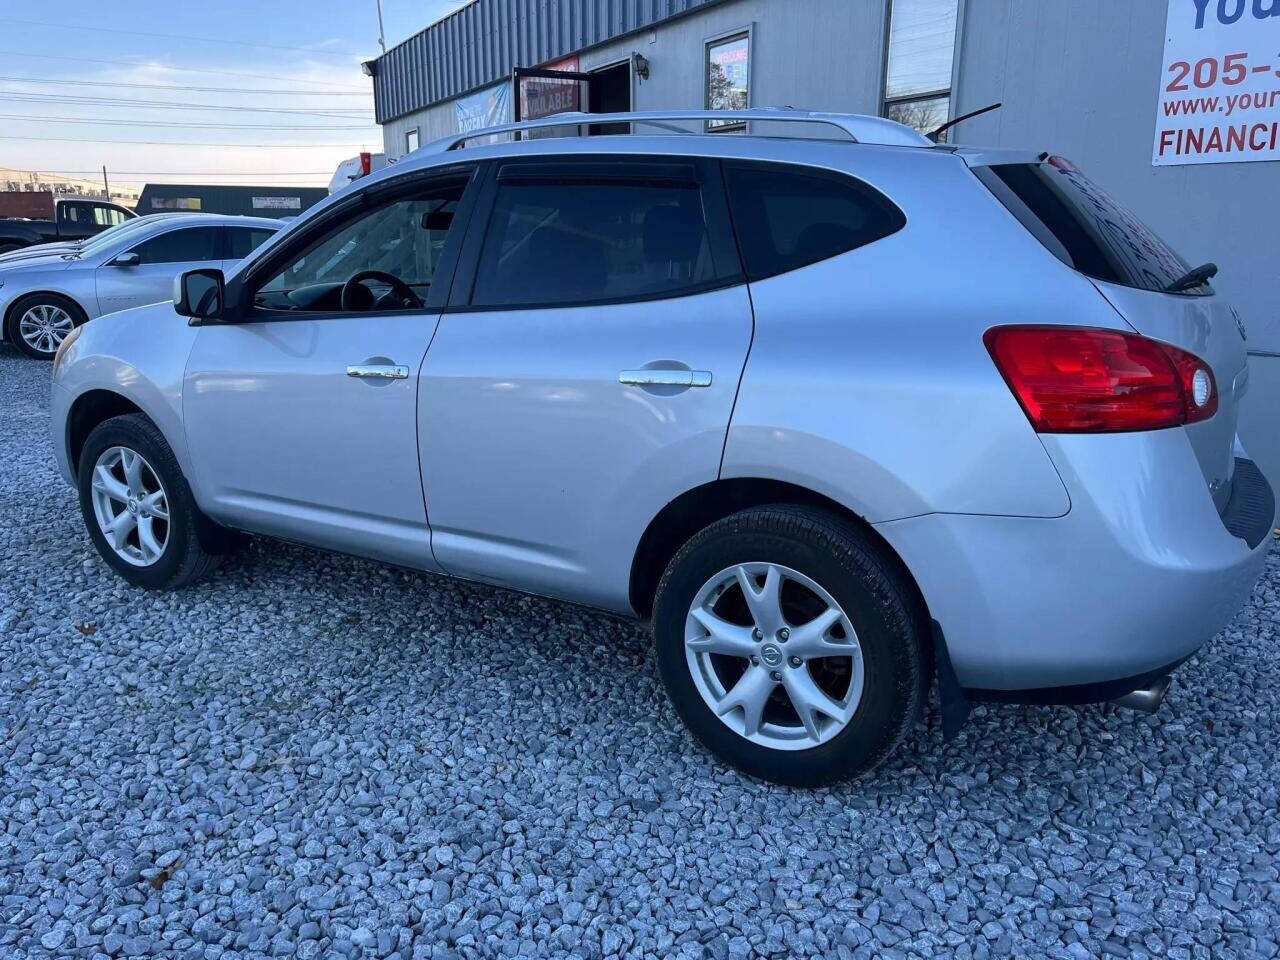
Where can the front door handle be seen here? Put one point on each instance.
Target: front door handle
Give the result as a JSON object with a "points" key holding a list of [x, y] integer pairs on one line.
{"points": [[378, 371], [665, 378]]}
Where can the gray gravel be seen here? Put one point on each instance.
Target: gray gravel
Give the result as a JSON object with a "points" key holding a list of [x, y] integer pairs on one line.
{"points": [[315, 756]]}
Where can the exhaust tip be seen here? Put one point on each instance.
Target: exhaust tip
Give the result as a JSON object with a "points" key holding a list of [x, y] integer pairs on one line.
{"points": [[1146, 699]]}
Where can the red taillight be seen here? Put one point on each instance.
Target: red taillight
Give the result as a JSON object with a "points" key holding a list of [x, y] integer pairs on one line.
{"points": [[1081, 380], [366, 163]]}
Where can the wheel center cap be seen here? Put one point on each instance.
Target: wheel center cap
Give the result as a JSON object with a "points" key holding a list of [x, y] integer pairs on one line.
{"points": [[771, 655], [133, 505]]}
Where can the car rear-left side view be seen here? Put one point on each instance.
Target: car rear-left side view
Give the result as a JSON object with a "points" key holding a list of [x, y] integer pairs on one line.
{"points": [[840, 418]]}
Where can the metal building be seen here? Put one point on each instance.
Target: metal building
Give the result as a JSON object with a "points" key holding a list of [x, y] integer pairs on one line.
{"points": [[1101, 82], [270, 201]]}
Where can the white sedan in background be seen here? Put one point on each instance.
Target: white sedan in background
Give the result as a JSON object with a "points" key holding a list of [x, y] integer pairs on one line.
{"points": [[44, 298], [109, 235]]}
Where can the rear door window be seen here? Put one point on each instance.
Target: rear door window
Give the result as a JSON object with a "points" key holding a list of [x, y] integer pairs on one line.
{"points": [[572, 233], [1084, 227], [788, 217], [241, 241]]}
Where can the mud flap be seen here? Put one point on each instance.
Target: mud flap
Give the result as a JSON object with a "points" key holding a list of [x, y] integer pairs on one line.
{"points": [[953, 704]]}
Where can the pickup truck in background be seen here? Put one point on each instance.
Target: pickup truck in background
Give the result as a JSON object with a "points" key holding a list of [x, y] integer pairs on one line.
{"points": [[31, 217]]}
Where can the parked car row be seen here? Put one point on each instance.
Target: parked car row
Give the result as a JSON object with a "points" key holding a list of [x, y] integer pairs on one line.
{"points": [[46, 291], [836, 417]]}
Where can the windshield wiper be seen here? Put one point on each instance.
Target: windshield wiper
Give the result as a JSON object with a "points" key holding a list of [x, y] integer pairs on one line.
{"points": [[1193, 278]]}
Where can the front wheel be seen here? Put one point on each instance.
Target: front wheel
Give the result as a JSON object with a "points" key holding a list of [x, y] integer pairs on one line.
{"points": [[791, 644], [39, 323], [138, 508]]}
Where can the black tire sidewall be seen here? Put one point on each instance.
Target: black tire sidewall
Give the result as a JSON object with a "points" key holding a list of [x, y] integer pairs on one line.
{"points": [[24, 304], [140, 436], [881, 609]]}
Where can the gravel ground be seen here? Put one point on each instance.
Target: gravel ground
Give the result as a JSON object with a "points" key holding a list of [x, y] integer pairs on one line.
{"points": [[315, 756]]}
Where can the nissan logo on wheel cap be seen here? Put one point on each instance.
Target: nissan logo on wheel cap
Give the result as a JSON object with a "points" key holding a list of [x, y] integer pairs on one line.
{"points": [[771, 655]]}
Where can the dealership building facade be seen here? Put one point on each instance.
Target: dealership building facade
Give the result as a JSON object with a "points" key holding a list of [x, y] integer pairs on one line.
{"points": [[1171, 105]]}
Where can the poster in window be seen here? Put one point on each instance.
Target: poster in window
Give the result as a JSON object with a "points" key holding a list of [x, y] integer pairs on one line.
{"points": [[728, 67]]}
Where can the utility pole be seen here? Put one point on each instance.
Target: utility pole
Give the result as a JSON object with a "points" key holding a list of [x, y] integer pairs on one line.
{"points": [[106, 187], [382, 38]]}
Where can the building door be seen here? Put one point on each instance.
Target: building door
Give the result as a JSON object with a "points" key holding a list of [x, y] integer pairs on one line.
{"points": [[610, 92]]}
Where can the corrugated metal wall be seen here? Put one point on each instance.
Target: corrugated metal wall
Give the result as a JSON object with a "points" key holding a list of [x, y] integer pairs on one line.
{"points": [[483, 42]]}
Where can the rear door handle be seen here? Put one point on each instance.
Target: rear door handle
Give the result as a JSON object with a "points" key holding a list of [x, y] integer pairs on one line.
{"points": [[378, 371], [665, 378]]}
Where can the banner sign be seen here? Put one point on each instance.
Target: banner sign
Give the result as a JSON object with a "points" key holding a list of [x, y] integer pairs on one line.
{"points": [[1219, 99], [542, 97], [484, 108]]}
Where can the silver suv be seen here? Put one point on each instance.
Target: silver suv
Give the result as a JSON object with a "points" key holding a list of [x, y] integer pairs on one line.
{"points": [[836, 415]]}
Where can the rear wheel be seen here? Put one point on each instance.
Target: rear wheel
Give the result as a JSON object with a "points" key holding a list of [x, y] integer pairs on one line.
{"points": [[138, 508], [39, 323], [791, 644]]}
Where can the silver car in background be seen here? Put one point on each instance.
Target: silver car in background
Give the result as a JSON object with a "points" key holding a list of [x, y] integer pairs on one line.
{"points": [[44, 296], [836, 417]]}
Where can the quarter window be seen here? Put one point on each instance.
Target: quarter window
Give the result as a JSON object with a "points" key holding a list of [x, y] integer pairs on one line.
{"points": [[180, 246], [563, 242], [786, 219]]}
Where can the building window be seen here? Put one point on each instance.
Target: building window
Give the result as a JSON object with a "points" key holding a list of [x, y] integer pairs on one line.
{"points": [[917, 82], [411, 140], [728, 76]]}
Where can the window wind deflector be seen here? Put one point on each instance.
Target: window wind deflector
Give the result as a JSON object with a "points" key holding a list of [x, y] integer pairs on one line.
{"points": [[654, 174]]}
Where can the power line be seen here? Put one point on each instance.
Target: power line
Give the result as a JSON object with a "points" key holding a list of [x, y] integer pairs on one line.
{"points": [[180, 36], [169, 123], [135, 64], [188, 143], [169, 86], [19, 97], [177, 173]]}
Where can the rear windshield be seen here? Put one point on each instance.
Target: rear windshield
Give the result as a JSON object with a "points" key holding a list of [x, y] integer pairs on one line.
{"points": [[1084, 227]]}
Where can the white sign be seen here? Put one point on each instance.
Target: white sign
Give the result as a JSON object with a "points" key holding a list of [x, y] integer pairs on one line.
{"points": [[277, 203], [1219, 96]]}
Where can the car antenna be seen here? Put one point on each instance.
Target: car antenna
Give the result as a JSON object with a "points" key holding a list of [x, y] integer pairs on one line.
{"points": [[960, 119]]}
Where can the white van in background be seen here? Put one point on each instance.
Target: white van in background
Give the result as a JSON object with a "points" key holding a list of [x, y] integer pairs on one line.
{"points": [[354, 168]]}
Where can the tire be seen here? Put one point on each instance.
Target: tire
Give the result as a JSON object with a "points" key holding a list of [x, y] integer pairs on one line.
{"points": [[880, 635], [63, 315], [183, 558]]}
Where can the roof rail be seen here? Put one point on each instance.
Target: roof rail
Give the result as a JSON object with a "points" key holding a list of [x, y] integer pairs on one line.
{"points": [[858, 127]]}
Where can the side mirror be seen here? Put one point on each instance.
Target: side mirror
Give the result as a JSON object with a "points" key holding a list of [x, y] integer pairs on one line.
{"points": [[199, 294], [129, 259]]}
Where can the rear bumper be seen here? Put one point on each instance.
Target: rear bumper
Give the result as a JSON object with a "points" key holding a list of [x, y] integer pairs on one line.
{"points": [[1140, 572]]}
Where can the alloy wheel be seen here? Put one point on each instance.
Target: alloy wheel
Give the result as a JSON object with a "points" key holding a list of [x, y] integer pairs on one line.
{"points": [[44, 327], [774, 656], [130, 505]]}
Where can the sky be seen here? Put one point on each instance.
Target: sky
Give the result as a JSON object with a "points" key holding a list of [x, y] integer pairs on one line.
{"points": [[83, 61]]}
